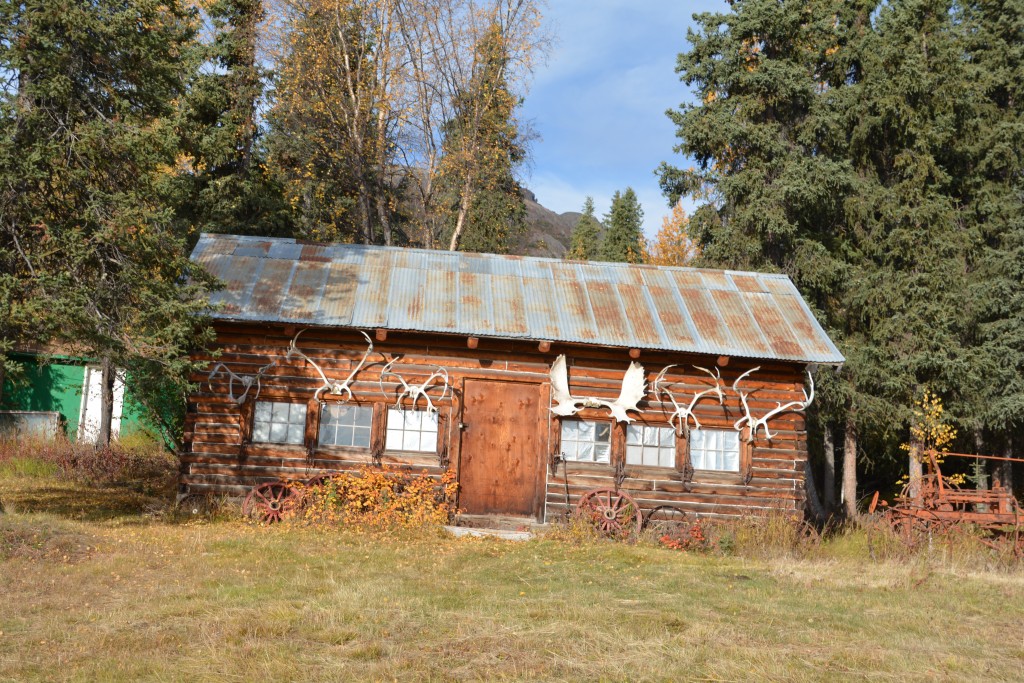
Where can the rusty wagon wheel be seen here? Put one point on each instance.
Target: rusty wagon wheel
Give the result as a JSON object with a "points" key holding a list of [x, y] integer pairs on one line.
{"points": [[267, 502], [613, 513]]}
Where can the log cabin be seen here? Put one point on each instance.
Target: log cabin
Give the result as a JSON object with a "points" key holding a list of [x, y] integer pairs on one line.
{"points": [[537, 380]]}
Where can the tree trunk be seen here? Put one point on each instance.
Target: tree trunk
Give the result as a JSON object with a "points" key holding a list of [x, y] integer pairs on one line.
{"points": [[914, 467], [829, 440], [106, 402], [384, 215], [813, 500], [850, 468], [460, 222], [1004, 472], [981, 470], [3, 376]]}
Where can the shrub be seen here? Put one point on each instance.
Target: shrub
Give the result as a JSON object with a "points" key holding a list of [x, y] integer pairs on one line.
{"points": [[380, 497], [140, 463], [688, 537]]}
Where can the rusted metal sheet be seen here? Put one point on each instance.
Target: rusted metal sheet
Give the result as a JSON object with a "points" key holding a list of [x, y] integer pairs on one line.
{"points": [[753, 315]]}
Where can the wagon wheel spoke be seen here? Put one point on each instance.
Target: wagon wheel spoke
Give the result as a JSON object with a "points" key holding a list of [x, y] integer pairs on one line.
{"points": [[268, 501], [612, 513]]}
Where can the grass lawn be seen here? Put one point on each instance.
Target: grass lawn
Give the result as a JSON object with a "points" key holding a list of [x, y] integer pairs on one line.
{"points": [[94, 585]]}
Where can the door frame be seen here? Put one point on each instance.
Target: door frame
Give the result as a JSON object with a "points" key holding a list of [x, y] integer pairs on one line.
{"points": [[543, 437]]}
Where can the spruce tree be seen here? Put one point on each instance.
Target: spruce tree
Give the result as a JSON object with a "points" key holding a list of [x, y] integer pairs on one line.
{"points": [[585, 239], [478, 191], [221, 182], [84, 140], [623, 237]]}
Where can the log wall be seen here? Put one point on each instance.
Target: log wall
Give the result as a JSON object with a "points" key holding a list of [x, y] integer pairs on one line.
{"points": [[220, 457]]}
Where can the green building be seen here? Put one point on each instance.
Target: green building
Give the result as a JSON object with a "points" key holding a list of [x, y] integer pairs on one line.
{"points": [[63, 393]]}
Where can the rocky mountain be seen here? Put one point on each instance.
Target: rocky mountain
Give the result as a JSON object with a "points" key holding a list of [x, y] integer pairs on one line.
{"points": [[547, 232]]}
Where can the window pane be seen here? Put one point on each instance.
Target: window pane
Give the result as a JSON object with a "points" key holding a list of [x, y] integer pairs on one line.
{"points": [[296, 433], [263, 411], [410, 441], [668, 436], [634, 455], [667, 457], [261, 432], [586, 430], [393, 440], [344, 437], [570, 429], [604, 432], [361, 438], [363, 416], [278, 432], [651, 436], [601, 452], [632, 434], [298, 413], [279, 412]]}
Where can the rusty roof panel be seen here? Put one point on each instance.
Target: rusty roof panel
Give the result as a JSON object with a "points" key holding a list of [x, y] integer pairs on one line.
{"points": [[303, 299], [508, 306], [731, 306], [338, 303], [475, 304], [641, 317], [769, 319], [620, 305]]}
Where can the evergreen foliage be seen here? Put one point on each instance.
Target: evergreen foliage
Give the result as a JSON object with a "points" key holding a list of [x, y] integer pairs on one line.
{"points": [[221, 182], [585, 240], [872, 152], [479, 195], [85, 138], [623, 238]]}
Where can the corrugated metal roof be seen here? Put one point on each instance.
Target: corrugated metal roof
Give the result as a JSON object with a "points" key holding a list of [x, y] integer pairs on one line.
{"points": [[689, 310]]}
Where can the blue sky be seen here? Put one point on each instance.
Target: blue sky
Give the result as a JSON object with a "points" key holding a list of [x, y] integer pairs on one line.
{"points": [[599, 102]]}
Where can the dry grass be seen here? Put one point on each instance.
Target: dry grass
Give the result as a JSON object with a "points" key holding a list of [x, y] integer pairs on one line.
{"points": [[99, 584]]}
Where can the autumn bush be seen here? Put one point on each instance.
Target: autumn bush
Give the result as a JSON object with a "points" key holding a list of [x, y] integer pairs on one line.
{"points": [[379, 497], [136, 461]]}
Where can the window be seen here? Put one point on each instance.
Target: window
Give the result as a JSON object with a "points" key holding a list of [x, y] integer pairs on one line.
{"points": [[715, 449], [279, 422], [411, 430], [586, 441], [345, 425], [653, 446]]}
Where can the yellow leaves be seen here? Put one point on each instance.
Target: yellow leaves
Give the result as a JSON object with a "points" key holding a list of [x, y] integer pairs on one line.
{"points": [[672, 246], [929, 431]]}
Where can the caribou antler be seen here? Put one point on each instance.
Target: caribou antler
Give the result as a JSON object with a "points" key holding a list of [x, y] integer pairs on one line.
{"points": [[682, 413], [633, 389], [416, 390], [342, 388], [247, 381], [762, 422]]}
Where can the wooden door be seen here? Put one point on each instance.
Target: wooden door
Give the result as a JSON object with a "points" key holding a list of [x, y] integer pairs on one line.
{"points": [[501, 461]]}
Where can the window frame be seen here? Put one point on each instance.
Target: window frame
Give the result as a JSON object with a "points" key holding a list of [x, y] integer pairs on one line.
{"points": [[436, 450], [255, 421], [324, 405], [742, 454], [585, 418], [638, 424]]}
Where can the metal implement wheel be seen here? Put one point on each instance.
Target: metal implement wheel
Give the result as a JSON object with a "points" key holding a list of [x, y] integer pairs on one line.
{"points": [[197, 504], [267, 502], [613, 513], [665, 518]]}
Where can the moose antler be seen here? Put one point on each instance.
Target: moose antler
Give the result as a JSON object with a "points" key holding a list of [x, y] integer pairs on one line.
{"points": [[762, 422], [342, 388], [682, 413], [416, 390], [633, 389], [247, 381]]}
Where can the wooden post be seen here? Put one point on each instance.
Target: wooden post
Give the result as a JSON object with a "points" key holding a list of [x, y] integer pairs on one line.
{"points": [[380, 335], [914, 467], [472, 342], [723, 361], [634, 353], [106, 402], [544, 346]]}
